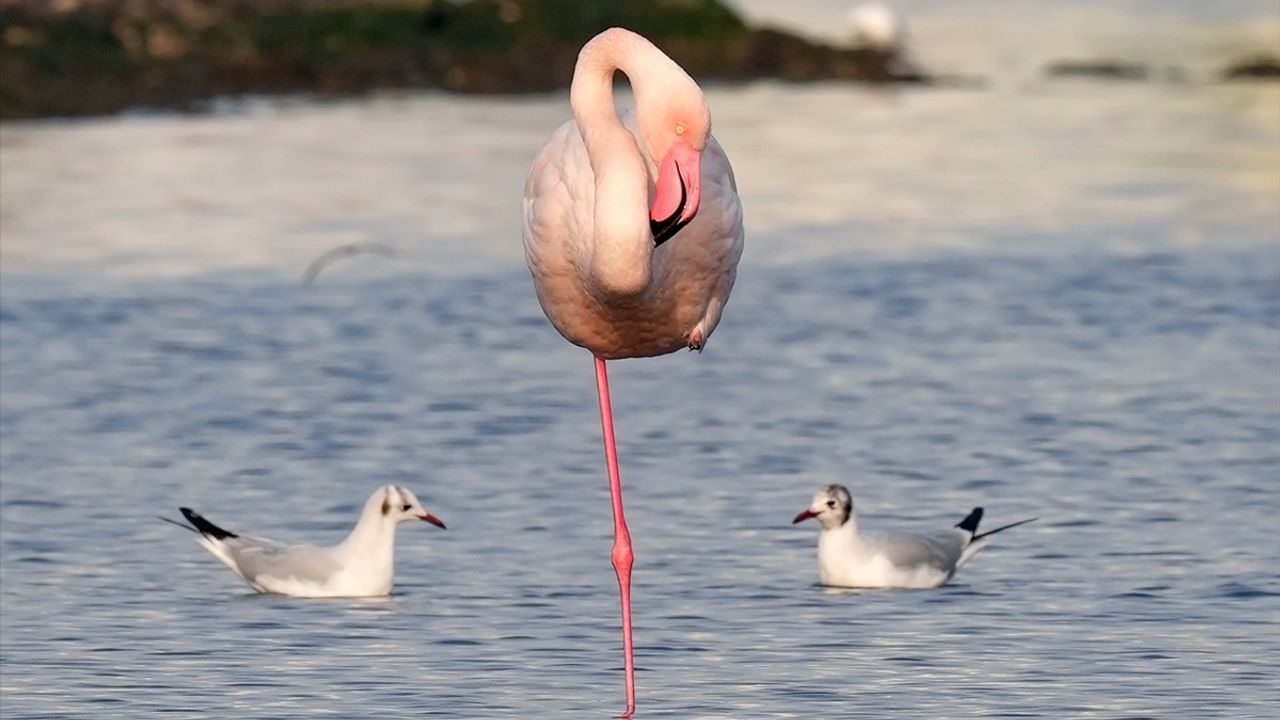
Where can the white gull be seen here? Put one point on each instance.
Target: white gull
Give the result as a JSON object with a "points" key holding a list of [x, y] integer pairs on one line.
{"points": [[849, 558], [362, 565]]}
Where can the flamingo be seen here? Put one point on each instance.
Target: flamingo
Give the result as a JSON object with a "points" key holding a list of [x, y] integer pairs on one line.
{"points": [[632, 232]]}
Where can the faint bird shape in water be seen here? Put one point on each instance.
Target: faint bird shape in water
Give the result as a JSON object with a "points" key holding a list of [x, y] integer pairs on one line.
{"points": [[329, 257]]}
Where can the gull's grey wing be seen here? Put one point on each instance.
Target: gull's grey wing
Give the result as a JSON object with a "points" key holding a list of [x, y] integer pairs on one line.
{"points": [[258, 559], [941, 550]]}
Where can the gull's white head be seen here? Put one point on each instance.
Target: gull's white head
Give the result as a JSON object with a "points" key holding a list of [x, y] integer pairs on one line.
{"points": [[832, 506], [396, 504]]}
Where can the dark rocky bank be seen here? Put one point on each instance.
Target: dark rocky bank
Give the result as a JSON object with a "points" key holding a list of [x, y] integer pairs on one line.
{"points": [[87, 57]]}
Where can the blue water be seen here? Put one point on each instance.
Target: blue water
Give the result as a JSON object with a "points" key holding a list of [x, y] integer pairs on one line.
{"points": [[1053, 301], [1131, 402]]}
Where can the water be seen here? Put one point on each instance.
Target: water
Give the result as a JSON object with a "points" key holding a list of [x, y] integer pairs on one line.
{"points": [[1054, 300]]}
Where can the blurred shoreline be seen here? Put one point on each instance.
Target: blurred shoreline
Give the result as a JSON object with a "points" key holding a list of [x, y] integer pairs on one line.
{"points": [[69, 58], [93, 57]]}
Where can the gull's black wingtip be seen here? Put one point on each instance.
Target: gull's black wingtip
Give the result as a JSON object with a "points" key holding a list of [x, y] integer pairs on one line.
{"points": [[1005, 527], [204, 527], [171, 521], [970, 523]]}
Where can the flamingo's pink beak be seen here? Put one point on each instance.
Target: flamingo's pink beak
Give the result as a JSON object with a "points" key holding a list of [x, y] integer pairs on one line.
{"points": [[433, 520], [678, 192], [804, 516]]}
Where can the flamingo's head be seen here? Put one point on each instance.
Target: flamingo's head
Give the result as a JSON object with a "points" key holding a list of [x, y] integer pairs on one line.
{"points": [[396, 504], [832, 506], [676, 124]]}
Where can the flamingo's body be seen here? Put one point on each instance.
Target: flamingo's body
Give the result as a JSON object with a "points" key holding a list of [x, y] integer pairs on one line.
{"points": [[632, 229], [689, 280]]}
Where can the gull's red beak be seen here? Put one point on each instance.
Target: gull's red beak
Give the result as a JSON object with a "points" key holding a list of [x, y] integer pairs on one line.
{"points": [[678, 192], [804, 516], [433, 520]]}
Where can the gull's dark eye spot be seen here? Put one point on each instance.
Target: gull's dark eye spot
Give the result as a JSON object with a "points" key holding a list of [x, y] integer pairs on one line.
{"points": [[831, 503], [406, 508]]}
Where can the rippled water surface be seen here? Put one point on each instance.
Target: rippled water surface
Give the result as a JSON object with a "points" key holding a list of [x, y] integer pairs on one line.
{"points": [[1052, 300]]}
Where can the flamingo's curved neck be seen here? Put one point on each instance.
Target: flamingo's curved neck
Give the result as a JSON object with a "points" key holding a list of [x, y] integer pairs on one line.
{"points": [[623, 245]]}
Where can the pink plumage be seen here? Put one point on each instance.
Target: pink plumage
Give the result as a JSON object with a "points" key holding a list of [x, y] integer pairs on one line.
{"points": [[588, 236]]}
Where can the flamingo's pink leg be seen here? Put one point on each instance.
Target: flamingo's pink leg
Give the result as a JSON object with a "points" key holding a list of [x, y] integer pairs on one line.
{"points": [[623, 558]]}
